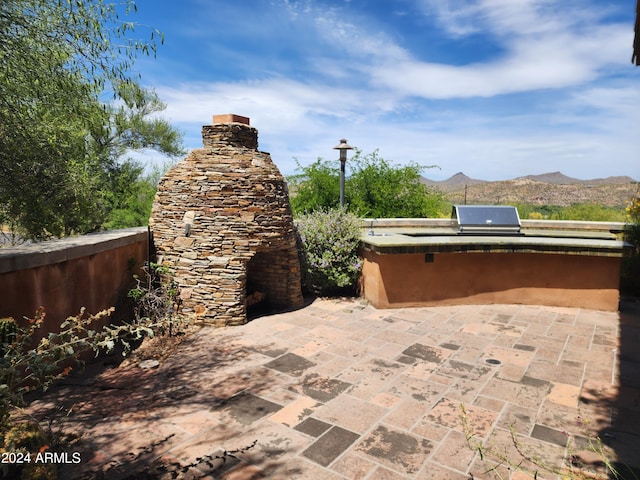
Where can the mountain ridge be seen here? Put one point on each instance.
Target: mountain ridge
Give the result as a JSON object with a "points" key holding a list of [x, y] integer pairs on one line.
{"points": [[557, 178], [553, 188]]}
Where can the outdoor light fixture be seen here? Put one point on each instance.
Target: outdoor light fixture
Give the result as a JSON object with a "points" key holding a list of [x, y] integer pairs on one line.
{"points": [[343, 147]]}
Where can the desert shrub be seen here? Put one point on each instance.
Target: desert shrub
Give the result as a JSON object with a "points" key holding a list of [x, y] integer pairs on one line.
{"points": [[28, 364], [328, 247], [590, 212], [8, 330], [576, 211], [156, 296], [630, 278], [633, 221], [381, 189], [374, 188]]}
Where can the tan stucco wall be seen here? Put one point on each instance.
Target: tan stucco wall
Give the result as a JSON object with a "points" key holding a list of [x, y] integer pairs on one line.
{"points": [[89, 272], [404, 280]]}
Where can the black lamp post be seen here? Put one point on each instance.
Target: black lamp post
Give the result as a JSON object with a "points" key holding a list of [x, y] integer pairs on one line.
{"points": [[343, 147]]}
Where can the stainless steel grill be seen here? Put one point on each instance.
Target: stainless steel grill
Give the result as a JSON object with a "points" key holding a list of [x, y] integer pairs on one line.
{"points": [[487, 219]]}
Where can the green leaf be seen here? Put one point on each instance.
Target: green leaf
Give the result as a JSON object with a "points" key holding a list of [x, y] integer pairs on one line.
{"points": [[63, 57]]}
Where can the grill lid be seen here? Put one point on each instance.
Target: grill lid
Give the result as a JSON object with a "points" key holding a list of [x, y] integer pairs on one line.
{"points": [[487, 219]]}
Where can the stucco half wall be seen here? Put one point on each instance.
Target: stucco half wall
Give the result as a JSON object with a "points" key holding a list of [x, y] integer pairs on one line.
{"points": [[94, 271], [418, 279]]}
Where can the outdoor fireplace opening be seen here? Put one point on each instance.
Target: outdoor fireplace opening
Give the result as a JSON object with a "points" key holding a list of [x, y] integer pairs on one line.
{"points": [[266, 283]]}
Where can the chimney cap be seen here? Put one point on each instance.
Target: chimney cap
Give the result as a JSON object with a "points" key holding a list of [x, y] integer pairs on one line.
{"points": [[230, 118]]}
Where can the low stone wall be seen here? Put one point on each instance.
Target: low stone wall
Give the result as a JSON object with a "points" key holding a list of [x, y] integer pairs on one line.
{"points": [[94, 271]]}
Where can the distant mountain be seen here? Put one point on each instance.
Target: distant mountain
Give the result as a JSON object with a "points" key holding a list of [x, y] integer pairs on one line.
{"points": [[555, 178], [559, 178], [552, 188], [459, 179], [610, 181]]}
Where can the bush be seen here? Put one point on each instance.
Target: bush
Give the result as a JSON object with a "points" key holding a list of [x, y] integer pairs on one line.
{"points": [[328, 246], [633, 225], [8, 330], [374, 188], [591, 212], [380, 189], [28, 364], [630, 279], [315, 187], [156, 296], [577, 211]]}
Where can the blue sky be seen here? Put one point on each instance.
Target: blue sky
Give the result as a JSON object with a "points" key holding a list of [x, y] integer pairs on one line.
{"points": [[493, 88]]}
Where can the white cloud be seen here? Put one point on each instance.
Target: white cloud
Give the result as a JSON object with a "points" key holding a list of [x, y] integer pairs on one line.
{"points": [[285, 100], [533, 67], [504, 18], [495, 153], [590, 132], [367, 86], [540, 51], [360, 42]]}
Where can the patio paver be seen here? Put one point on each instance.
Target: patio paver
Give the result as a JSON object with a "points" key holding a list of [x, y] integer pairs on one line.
{"points": [[340, 390]]}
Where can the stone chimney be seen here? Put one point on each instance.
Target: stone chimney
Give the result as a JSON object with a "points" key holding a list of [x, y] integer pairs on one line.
{"points": [[230, 130], [222, 222]]}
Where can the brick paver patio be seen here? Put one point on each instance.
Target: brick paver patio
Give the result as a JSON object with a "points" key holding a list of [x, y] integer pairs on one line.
{"points": [[340, 390]]}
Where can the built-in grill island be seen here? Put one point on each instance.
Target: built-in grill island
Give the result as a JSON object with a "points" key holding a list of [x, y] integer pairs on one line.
{"points": [[222, 223], [486, 254], [487, 219]]}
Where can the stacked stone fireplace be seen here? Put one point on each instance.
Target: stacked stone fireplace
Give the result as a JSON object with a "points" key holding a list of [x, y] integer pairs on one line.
{"points": [[221, 221]]}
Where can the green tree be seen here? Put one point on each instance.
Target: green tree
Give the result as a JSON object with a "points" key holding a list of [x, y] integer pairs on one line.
{"points": [[379, 189], [60, 136], [132, 125], [131, 194], [373, 188], [316, 187], [43, 107]]}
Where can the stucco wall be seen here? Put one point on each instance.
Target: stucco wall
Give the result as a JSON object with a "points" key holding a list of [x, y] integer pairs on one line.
{"points": [[403, 280], [93, 271]]}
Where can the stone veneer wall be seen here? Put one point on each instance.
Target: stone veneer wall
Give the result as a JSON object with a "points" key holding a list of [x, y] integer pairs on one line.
{"points": [[213, 213]]}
